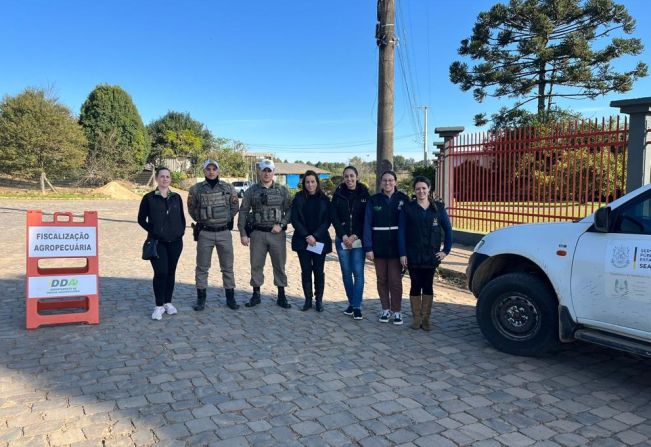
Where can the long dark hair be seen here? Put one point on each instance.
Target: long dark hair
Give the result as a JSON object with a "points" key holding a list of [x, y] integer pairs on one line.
{"points": [[318, 191]]}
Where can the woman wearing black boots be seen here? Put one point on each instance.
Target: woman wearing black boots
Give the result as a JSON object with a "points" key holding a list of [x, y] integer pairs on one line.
{"points": [[419, 242], [311, 239]]}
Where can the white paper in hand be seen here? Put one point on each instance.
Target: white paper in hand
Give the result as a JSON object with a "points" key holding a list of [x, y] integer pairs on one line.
{"points": [[316, 248]]}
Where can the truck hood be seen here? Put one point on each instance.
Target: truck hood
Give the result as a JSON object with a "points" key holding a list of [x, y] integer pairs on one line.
{"points": [[532, 240]]}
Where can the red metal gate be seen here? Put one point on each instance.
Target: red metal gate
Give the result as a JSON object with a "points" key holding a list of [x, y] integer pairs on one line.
{"points": [[524, 175]]}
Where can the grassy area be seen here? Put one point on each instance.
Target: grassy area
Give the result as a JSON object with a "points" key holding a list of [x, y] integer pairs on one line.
{"points": [[485, 217]]}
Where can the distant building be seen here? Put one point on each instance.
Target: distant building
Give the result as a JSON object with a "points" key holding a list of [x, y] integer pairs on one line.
{"points": [[290, 174], [252, 159]]}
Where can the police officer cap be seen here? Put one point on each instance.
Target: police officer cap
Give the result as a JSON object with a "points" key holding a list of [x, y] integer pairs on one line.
{"points": [[210, 162], [267, 164]]}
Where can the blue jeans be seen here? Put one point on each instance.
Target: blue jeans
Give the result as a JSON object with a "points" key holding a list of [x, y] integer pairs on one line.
{"points": [[352, 270]]}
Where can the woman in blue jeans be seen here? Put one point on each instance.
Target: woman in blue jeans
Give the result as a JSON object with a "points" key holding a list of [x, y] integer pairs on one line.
{"points": [[347, 215]]}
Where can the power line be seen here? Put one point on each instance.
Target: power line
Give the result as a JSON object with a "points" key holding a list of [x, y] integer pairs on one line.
{"points": [[322, 145], [406, 71]]}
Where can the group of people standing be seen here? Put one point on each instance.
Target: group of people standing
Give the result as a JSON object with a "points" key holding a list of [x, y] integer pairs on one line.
{"points": [[387, 228]]}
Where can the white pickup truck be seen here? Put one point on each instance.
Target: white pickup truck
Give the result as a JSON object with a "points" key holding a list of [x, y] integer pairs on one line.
{"points": [[541, 284]]}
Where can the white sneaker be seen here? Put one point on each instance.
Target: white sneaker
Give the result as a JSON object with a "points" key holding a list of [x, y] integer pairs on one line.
{"points": [[170, 309], [158, 313]]}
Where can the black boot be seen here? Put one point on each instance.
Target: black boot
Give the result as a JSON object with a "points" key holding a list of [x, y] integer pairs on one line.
{"points": [[201, 300], [230, 299], [255, 298], [319, 304], [308, 303], [282, 299]]}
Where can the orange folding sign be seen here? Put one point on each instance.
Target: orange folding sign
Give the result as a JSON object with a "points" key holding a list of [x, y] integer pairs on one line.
{"points": [[62, 274]]}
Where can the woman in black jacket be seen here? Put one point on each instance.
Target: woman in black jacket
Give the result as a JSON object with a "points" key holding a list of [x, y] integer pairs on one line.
{"points": [[311, 240], [381, 244], [347, 215], [419, 242], [161, 215]]}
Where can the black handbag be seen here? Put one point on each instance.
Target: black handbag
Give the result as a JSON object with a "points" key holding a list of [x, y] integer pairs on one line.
{"points": [[150, 249]]}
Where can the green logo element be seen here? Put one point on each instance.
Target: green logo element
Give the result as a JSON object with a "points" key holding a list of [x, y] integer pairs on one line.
{"points": [[63, 283]]}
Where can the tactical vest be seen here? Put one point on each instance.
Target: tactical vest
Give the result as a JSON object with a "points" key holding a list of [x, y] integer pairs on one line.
{"points": [[215, 204], [385, 223], [423, 235], [267, 204]]}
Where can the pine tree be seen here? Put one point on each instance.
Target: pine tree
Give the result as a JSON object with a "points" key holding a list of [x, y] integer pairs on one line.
{"points": [[540, 50]]}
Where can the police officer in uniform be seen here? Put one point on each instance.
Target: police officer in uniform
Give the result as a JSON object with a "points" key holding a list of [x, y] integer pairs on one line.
{"points": [[264, 215], [213, 204]]}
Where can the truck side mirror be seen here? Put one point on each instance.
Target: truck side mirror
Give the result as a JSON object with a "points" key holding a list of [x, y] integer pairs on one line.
{"points": [[602, 220]]}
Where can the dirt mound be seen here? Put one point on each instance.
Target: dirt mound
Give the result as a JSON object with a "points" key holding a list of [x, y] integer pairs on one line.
{"points": [[115, 190]]}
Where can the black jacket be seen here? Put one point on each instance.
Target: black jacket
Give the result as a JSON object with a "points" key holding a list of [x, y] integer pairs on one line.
{"points": [[348, 216], [298, 222], [381, 224], [162, 218], [419, 236]]}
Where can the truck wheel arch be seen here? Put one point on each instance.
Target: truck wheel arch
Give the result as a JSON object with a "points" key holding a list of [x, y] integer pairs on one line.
{"points": [[502, 264]]}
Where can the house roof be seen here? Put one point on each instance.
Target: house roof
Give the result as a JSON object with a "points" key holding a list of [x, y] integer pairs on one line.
{"points": [[297, 168]]}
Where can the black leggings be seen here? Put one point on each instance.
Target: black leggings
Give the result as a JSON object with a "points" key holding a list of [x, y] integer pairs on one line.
{"points": [[422, 281], [312, 263], [165, 270]]}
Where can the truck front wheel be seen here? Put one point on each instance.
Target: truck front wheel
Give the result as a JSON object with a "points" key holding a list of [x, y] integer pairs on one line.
{"points": [[517, 313]]}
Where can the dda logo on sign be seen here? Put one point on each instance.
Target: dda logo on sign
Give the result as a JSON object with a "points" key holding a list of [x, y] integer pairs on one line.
{"points": [[57, 283]]}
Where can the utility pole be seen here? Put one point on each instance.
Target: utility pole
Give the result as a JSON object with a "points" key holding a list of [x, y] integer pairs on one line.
{"points": [[385, 36], [425, 135]]}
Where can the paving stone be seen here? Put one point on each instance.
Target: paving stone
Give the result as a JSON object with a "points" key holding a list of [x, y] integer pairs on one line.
{"points": [[307, 428], [331, 378], [515, 439], [66, 436], [629, 418], [375, 441], [132, 402], [200, 425], [258, 426], [439, 441], [631, 437], [205, 411], [234, 431], [240, 441], [10, 434], [172, 431], [538, 432], [335, 438]]}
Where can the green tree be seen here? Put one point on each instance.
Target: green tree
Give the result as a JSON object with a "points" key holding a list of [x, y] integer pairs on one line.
{"points": [[184, 143], [178, 134], [39, 136], [335, 168], [540, 50], [118, 142], [516, 118], [230, 155]]}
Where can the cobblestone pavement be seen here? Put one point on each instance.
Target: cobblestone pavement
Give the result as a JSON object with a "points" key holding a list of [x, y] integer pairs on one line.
{"points": [[270, 376]]}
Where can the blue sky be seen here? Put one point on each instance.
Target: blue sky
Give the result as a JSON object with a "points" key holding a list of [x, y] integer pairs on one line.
{"points": [[294, 77]]}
